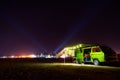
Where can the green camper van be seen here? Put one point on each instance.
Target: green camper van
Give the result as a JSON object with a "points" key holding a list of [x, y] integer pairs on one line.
{"points": [[90, 54], [93, 53]]}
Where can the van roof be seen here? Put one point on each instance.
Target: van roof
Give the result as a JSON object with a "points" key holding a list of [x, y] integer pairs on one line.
{"points": [[81, 46]]}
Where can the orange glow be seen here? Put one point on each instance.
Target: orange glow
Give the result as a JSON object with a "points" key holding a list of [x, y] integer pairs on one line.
{"points": [[23, 56]]}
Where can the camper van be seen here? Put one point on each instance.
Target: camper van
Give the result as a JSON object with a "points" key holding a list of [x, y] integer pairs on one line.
{"points": [[96, 54], [89, 54]]}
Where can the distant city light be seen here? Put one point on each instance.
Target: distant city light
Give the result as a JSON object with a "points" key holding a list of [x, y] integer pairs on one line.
{"points": [[29, 56], [20, 56]]}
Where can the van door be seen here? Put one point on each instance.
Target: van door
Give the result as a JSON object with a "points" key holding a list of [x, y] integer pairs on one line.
{"points": [[97, 54], [86, 55]]}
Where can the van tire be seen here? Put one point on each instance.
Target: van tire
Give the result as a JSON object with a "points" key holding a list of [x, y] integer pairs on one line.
{"points": [[95, 62]]}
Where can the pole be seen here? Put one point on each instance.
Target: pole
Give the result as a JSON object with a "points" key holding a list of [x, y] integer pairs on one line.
{"points": [[64, 57]]}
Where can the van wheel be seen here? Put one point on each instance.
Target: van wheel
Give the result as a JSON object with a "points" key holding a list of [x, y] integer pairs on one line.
{"points": [[96, 62]]}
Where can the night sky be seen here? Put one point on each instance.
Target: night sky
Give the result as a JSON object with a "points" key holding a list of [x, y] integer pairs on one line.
{"points": [[29, 26]]}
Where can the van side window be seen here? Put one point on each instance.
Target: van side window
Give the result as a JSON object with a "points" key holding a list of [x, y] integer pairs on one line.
{"points": [[96, 49]]}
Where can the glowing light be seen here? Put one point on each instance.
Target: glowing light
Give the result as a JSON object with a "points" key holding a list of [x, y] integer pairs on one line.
{"points": [[4, 57], [32, 56], [28, 56], [63, 56], [12, 56], [21, 56]]}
